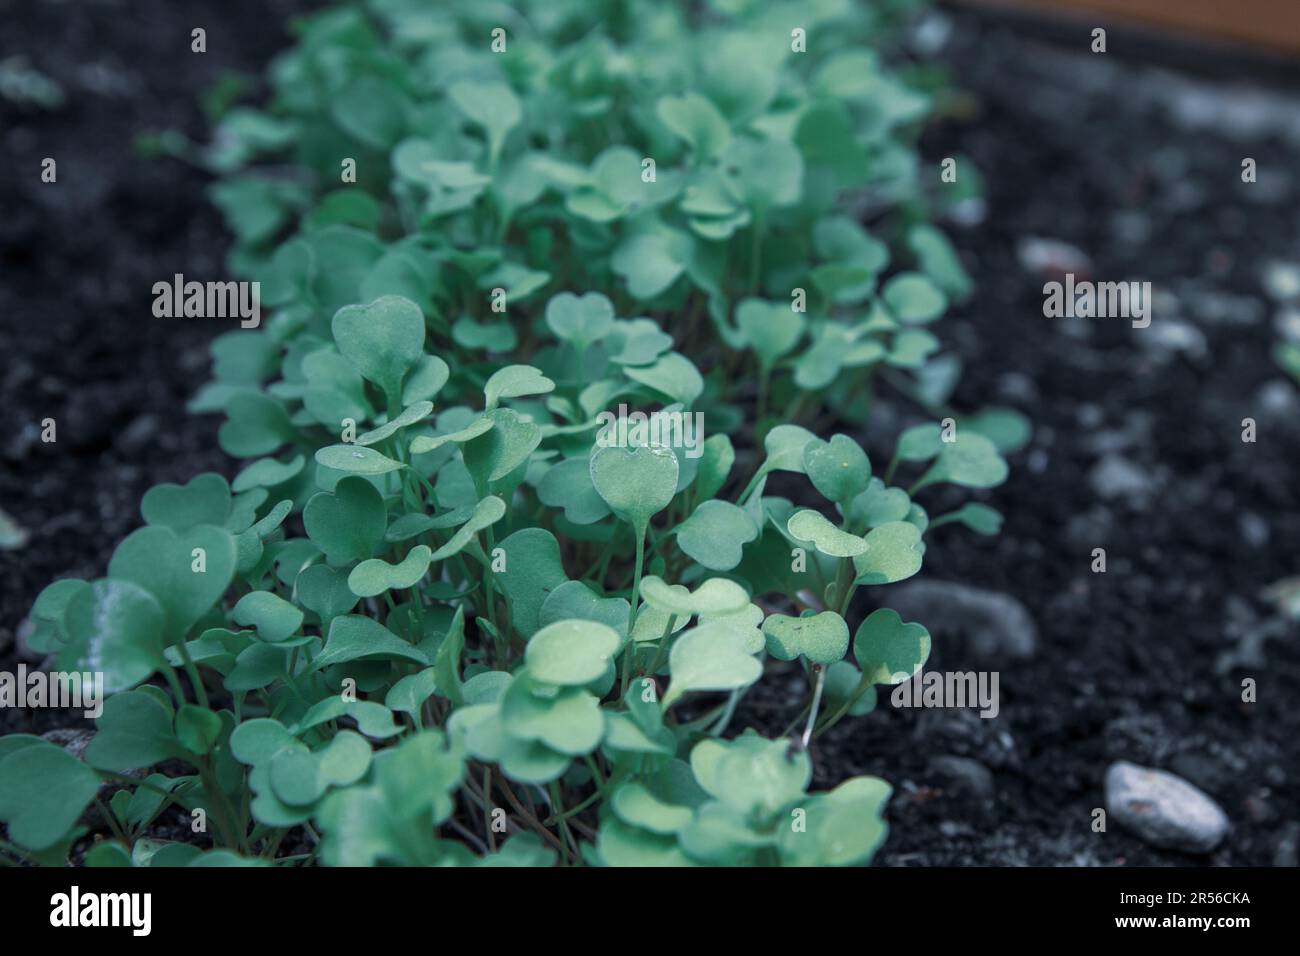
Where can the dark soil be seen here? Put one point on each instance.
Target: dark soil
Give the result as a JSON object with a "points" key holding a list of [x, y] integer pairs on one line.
{"points": [[1137, 164], [1144, 662]]}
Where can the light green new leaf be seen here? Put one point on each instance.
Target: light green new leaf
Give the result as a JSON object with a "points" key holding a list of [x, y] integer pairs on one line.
{"points": [[115, 628], [894, 552], [809, 525], [571, 652], [822, 638], [710, 657]]}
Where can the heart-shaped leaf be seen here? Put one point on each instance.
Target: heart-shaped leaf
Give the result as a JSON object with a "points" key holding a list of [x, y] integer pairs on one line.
{"points": [[43, 791], [410, 415], [115, 628], [302, 777], [568, 485], [187, 571], [637, 483], [716, 596], [274, 617], [710, 658], [382, 340], [839, 469], [502, 449], [822, 638], [580, 320], [568, 720], [205, 500], [571, 652], [533, 570], [888, 650], [894, 552], [970, 460], [771, 328], [347, 523], [486, 513]]}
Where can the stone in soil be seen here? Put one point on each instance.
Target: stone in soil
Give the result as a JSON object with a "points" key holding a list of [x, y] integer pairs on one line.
{"points": [[1164, 810]]}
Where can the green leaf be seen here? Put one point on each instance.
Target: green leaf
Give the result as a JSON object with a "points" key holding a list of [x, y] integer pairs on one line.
{"points": [[197, 729], [716, 460], [515, 381], [446, 667], [533, 571], [325, 591], [637, 483], [43, 791], [493, 106], [356, 460], [571, 652], [716, 596], [716, 533], [710, 658], [486, 513], [135, 731], [913, 298], [839, 469], [697, 121], [499, 451], [274, 617], [637, 806], [771, 328], [382, 340], [568, 485], [751, 775], [877, 505], [919, 443], [205, 500], [970, 460], [357, 638], [822, 638], [784, 445], [115, 628], [844, 827], [673, 375], [979, 518], [427, 443], [301, 777], [187, 572], [809, 525], [568, 720], [580, 320], [373, 577], [888, 650], [413, 413], [349, 522], [575, 600], [894, 552]]}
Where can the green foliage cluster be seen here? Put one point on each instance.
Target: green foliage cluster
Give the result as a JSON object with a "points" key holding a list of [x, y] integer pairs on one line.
{"points": [[435, 618]]}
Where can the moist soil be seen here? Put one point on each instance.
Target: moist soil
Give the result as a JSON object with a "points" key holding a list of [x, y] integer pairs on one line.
{"points": [[1130, 159]]}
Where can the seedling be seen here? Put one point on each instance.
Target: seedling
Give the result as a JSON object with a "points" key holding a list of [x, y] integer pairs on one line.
{"points": [[434, 618]]}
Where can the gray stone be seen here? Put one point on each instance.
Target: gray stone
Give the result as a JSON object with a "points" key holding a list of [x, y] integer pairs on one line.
{"points": [[966, 778], [996, 624], [1117, 477], [1164, 810]]}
